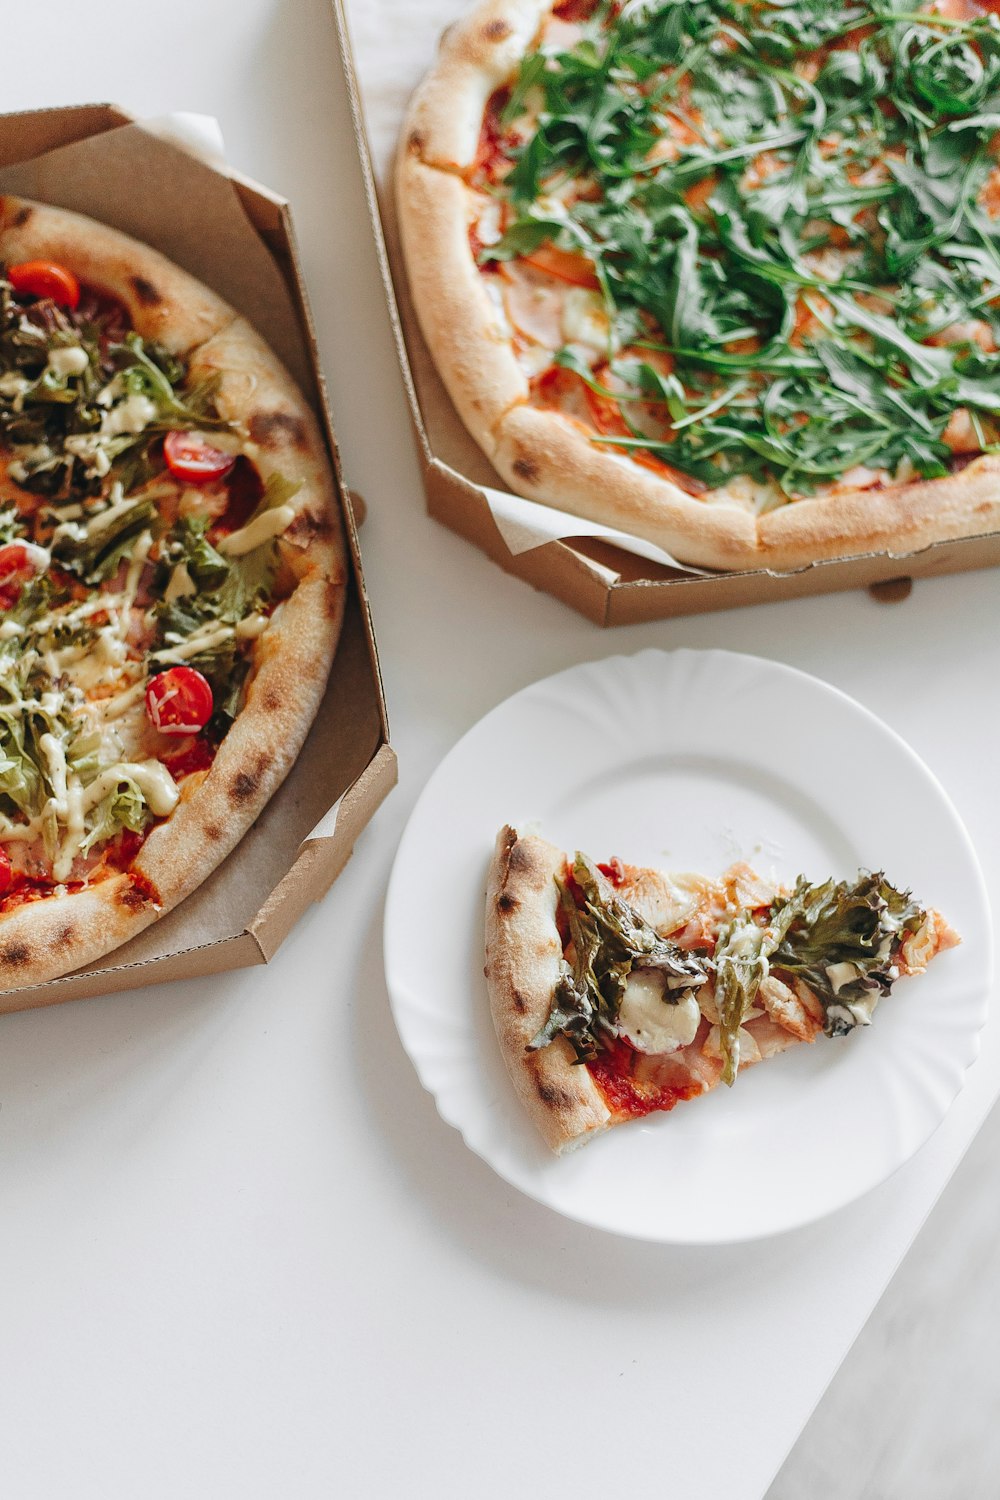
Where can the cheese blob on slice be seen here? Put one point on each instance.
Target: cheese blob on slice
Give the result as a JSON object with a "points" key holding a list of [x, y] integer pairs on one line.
{"points": [[652, 1023]]}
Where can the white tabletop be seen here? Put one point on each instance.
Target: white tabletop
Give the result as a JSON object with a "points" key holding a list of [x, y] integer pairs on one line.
{"points": [[240, 1255]]}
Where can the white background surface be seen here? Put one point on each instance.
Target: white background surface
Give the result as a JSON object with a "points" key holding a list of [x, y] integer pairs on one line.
{"points": [[239, 1253]]}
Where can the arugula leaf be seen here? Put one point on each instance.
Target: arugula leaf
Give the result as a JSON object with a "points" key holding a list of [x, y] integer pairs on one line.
{"points": [[775, 197], [841, 940], [740, 961], [95, 555], [607, 938]]}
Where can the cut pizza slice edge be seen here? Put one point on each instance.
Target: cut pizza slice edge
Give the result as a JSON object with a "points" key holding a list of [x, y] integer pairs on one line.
{"points": [[617, 991]]}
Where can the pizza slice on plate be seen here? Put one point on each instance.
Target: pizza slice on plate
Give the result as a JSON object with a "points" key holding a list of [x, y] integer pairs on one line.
{"points": [[617, 991]]}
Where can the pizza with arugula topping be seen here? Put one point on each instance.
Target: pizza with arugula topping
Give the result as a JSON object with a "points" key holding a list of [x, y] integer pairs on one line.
{"points": [[723, 273], [618, 991], [172, 580]]}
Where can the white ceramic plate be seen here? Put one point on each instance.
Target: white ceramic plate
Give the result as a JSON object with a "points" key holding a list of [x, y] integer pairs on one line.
{"points": [[690, 760]]}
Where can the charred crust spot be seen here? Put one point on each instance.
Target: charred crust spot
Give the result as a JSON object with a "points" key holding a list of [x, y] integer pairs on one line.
{"points": [[213, 832], [246, 784], [14, 955], [271, 428], [496, 31], [308, 527], [507, 903], [243, 787], [555, 1098], [519, 1002], [526, 469], [271, 701], [22, 216], [145, 291], [66, 935]]}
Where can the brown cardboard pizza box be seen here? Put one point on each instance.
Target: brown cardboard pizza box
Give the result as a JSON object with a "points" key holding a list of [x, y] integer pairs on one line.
{"points": [[237, 237]]}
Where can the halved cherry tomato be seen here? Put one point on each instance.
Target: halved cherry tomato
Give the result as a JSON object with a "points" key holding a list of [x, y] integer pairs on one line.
{"points": [[190, 458], [16, 566], [179, 701], [16, 562], [567, 265], [45, 278], [6, 873]]}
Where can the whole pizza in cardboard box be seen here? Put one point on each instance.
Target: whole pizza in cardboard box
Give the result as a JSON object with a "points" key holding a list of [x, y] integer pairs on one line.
{"points": [[723, 273], [172, 582]]}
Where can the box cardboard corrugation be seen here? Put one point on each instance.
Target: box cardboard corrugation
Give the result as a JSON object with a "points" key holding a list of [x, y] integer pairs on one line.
{"points": [[603, 582], [238, 238]]}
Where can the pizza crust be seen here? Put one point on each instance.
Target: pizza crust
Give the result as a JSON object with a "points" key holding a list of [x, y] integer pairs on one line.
{"points": [[163, 302], [468, 335], [477, 55], [901, 518], [546, 455], [44, 939], [293, 657], [523, 957]]}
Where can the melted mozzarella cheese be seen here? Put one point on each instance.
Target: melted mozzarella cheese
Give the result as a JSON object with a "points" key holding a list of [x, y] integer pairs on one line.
{"points": [[650, 1021], [584, 319], [71, 360], [133, 415]]}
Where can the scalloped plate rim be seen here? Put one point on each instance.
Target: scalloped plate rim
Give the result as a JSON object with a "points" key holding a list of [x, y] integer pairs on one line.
{"points": [[465, 1106]]}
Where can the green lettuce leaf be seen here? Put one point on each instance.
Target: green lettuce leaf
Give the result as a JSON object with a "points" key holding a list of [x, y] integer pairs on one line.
{"points": [[124, 807], [841, 940], [608, 937]]}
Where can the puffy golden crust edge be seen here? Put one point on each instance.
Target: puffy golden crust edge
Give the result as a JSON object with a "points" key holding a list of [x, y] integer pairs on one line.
{"points": [[46, 939], [546, 456], [523, 954], [900, 519], [464, 331], [256, 392], [293, 657], [164, 302], [477, 55]]}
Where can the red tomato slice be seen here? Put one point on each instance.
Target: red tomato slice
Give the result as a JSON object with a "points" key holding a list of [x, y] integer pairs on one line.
{"points": [[567, 265], [179, 701], [17, 565], [6, 873], [45, 278], [190, 458], [15, 562]]}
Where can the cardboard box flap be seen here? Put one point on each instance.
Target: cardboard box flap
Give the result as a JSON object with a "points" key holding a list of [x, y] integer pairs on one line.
{"points": [[208, 231]]}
